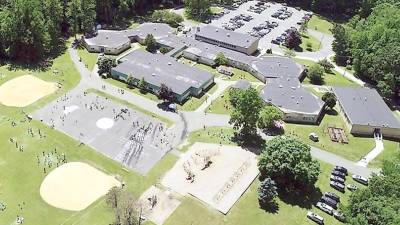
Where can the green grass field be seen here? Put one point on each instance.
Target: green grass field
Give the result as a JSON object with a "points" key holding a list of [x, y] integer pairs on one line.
{"points": [[247, 210], [320, 24], [221, 105], [391, 150], [136, 91], [315, 43], [355, 150], [330, 79], [90, 59]]}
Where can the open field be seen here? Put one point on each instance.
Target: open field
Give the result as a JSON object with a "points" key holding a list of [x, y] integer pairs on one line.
{"points": [[391, 150], [330, 79], [247, 210], [320, 24], [354, 150], [315, 43], [21, 183], [221, 105], [88, 58]]}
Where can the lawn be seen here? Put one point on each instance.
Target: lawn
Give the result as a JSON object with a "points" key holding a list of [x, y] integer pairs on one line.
{"points": [[216, 9], [315, 43], [355, 150], [391, 150], [136, 91], [194, 102], [221, 105], [168, 122], [320, 24], [332, 78], [90, 59], [247, 210]]}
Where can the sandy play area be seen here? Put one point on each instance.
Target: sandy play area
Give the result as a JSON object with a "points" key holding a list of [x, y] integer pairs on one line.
{"points": [[25, 90], [74, 186], [216, 174], [157, 204]]}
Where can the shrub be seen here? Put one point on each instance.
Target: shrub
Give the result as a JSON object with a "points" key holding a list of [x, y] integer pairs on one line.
{"points": [[315, 74]]}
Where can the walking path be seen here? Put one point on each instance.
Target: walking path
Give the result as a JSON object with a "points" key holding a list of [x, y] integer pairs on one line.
{"points": [[222, 86], [373, 153]]}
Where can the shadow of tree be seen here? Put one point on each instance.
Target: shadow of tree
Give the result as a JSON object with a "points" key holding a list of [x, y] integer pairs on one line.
{"points": [[270, 207], [302, 197], [331, 112], [251, 142]]}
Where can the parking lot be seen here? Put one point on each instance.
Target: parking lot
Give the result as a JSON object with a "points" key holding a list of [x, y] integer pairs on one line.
{"points": [[260, 14]]}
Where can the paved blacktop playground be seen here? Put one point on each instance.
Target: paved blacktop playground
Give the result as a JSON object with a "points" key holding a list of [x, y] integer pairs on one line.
{"points": [[129, 137]]}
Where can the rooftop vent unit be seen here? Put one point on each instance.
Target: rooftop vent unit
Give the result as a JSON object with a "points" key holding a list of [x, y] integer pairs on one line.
{"points": [[216, 30], [293, 88], [292, 96], [153, 74], [169, 63], [228, 34], [280, 86]]}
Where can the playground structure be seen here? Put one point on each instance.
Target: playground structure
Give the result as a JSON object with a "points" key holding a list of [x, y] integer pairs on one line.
{"points": [[337, 135], [215, 174]]}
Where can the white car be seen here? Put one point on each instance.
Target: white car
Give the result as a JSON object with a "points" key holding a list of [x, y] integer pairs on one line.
{"points": [[360, 179], [324, 207], [314, 217]]}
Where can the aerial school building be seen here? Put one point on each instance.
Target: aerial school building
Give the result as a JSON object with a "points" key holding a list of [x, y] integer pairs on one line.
{"points": [[366, 113], [282, 75]]}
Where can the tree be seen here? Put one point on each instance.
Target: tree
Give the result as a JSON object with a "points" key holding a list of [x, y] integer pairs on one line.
{"points": [[164, 50], [267, 191], [143, 84], [74, 12], [340, 45], [105, 65], [165, 93], [246, 108], [88, 15], [130, 81], [124, 206], [378, 203], [220, 59], [268, 116], [198, 9], [165, 16], [289, 163], [151, 44], [330, 99], [316, 74], [328, 66], [293, 39]]}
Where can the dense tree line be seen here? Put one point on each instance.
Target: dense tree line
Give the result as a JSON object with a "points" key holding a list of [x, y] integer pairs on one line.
{"points": [[379, 203], [31, 30], [372, 44], [340, 8]]}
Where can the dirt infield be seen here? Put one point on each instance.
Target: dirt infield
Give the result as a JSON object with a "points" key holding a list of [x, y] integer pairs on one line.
{"points": [[25, 90], [228, 174], [74, 186]]}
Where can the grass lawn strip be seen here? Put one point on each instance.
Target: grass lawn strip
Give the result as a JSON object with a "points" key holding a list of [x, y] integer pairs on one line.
{"points": [[168, 122]]}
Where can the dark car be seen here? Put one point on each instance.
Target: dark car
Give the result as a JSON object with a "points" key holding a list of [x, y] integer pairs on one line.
{"points": [[332, 196], [337, 179], [338, 186], [329, 202], [339, 174], [341, 169]]}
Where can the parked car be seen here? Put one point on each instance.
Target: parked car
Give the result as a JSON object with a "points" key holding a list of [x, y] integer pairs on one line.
{"points": [[324, 207], [332, 196], [314, 217], [337, 179], [339, 216], [338, 186], [329, 201], [352, 187], [360, 179], [341, 169], [313, 137], [339, 174]]}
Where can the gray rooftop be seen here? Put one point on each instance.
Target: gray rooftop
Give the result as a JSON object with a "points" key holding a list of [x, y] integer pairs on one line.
{"points": [[364, 106], [290, 96], [158, 30], [242, 84], [277, 66], [159, 69], [226, 36], [108, 38]]}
